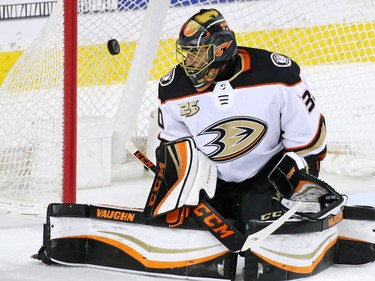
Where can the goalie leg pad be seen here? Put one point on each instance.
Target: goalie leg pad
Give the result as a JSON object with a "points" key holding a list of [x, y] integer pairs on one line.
{"points": [[356, 243], [354, 252], [288, 257], [122, 239]]}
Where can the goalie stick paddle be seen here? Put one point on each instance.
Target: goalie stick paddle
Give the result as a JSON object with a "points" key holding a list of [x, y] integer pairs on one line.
{"points": [[217, 225]]}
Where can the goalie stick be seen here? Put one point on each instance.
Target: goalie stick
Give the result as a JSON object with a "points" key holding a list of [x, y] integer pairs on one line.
{"points": [[217, 225]]}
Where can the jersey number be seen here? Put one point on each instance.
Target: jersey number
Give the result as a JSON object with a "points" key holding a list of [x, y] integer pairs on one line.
{"points": [[160, 119], [309, 101]]}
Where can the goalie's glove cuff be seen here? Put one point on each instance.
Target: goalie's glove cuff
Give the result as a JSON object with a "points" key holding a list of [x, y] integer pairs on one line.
{"points": [[285, 176]]}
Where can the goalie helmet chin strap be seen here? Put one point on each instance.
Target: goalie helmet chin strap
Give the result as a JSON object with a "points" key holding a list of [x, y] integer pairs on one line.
{"points": [[217, 225]]}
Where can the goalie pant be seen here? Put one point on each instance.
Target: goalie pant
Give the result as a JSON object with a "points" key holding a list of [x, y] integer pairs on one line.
{"points": [[123, 239]]}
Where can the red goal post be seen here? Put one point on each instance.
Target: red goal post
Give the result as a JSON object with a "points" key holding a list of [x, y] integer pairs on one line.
{"points": [[68, 103]]}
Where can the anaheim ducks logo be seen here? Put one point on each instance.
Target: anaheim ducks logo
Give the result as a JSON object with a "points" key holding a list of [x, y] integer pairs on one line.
{"points": [[236, 137]]}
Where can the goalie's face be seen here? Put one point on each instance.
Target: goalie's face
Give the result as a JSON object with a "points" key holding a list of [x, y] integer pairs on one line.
{"points": [[194, 59], [196, 62]]}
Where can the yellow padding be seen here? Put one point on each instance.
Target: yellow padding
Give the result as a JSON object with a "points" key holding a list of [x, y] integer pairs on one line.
{"points": [[325, 44], [7, 60], [308, 46]]}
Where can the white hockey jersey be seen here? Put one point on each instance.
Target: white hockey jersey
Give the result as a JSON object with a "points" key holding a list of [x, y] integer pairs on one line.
{"points": [[240, 123]]}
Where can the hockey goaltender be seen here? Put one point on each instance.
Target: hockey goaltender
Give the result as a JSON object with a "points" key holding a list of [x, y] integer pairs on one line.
{"points": [[237, 172]]}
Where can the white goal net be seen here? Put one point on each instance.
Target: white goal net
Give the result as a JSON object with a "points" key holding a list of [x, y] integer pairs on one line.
{"points": [[333, 42]]}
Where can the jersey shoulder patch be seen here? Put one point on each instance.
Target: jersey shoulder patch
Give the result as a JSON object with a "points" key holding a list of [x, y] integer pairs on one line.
{"points": [[280, 60], [175, 84], [167, 78], [269, 67]]}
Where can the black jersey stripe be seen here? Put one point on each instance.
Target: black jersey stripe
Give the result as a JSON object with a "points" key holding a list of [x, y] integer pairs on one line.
{"points": [[253, 68]]}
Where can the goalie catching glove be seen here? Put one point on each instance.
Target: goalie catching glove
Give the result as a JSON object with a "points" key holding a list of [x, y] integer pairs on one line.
{"points": [[183, 172], [319, 200]]}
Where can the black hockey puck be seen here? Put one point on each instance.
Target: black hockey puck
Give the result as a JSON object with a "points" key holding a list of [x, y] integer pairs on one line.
{"points": [[113, 47]]}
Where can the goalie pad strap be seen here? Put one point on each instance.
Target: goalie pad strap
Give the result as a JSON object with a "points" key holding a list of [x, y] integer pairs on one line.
{"points": [[177, 217], [359, 213], [355, 213], [297, 226]]}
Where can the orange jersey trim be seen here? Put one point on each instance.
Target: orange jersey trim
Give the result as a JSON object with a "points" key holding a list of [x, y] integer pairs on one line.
{"points": [[245, 56]]}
